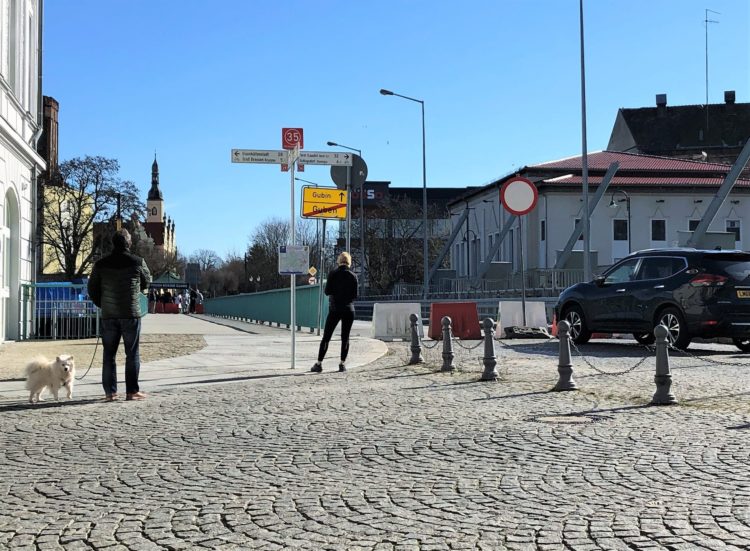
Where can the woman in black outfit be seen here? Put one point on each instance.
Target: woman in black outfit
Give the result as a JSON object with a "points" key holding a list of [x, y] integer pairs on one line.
{"points": [[341, 289]]}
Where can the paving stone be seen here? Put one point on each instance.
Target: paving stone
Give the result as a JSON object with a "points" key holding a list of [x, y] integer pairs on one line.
{"points": [[391, 457]]}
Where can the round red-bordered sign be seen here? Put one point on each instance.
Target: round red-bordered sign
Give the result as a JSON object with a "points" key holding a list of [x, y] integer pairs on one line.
{"points": [[518, 196]]}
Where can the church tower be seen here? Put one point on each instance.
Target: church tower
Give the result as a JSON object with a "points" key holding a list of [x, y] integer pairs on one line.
{"points": [[158, 227], [155, 202]]}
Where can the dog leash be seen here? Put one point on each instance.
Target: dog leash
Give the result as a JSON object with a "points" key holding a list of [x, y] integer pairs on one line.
{"points": [[92, 360]]}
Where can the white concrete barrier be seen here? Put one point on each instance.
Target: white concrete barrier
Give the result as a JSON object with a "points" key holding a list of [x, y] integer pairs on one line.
{"points": [[510, 313], [391, 320]]}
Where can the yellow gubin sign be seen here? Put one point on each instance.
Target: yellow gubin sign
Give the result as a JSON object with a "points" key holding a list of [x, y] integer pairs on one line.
{"points": [[324, 202]]}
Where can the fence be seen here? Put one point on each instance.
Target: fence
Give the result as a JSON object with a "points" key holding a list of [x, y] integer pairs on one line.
{"points": [[57, 311], [539, 283], [271, 306]]}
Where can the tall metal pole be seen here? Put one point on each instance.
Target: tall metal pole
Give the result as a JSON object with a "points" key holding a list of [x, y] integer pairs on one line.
{"points": [[322, 275], [361, 219], [425, 260], [523, 269], [707, 21], [348, 209], [292, 277], [585, 162]]}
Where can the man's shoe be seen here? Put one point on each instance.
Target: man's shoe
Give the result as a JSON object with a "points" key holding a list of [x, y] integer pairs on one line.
{"points": [[136, 396], [342, 367], [317, 368]]}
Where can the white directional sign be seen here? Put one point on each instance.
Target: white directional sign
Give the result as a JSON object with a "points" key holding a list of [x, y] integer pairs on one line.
{"points": [[294, 259], [263, 156], [325, 158]]}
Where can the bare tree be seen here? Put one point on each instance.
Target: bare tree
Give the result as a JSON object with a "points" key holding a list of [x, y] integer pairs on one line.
{"points": [[395, 245], [87, 194], [262, 257], [206, 259]]}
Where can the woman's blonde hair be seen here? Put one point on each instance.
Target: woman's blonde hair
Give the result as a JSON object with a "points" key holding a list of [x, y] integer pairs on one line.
{"points": [[344, 259]]}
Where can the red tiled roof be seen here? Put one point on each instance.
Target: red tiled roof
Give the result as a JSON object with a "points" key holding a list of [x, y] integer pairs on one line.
{"points": [[595, 180], [630, 161]]}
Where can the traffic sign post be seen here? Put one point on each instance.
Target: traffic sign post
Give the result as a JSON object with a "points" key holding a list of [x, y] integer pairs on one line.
{"points": [[293, 156], [519, 196]]}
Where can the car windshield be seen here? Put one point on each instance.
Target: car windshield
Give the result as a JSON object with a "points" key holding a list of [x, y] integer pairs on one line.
{"points": [[736, 266]]}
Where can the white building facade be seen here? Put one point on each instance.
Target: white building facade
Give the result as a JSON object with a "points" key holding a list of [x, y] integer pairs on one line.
{"points": [[652, 202], [20, 164]]}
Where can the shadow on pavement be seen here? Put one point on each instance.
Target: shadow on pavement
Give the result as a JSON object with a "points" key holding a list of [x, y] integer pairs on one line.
{"points": [[47, 405]]}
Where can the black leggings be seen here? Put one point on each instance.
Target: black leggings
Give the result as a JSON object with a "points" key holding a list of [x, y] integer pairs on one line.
{"points": [[334, 316]]}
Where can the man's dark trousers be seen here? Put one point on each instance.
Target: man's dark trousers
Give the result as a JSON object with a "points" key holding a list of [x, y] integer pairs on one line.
{"points": [[130, 331]]}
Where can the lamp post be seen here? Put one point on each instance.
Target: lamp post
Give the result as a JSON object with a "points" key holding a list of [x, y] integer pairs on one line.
{"points": [[468, 251], [424, 189], [361, 218], [613, 205]]}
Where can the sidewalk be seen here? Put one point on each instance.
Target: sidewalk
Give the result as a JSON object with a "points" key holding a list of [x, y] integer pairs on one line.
{"points": [[234, 350]]}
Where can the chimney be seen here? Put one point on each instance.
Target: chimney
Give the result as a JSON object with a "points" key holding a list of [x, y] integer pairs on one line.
{"points": [[729, 97], [661, 105]]}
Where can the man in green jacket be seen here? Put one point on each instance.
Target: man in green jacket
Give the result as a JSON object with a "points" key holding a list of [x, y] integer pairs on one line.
{"points": [[115, 285]]}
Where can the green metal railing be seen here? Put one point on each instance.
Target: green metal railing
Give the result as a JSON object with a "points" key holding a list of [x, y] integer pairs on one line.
{"points": [[271, 306]]}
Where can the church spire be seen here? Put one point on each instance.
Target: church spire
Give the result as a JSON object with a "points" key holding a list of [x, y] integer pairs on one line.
{"points": [[154, 194]]}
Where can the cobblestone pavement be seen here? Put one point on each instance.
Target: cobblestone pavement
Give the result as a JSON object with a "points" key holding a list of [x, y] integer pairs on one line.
{"points": [[394, 457]]}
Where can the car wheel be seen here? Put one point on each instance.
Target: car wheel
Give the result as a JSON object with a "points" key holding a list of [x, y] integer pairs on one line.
{"points": [[579, 333], [677, 334], [644, 338], [742, 344]]}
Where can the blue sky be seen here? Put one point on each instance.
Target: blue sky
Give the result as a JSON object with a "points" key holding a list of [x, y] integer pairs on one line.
{"points": [[500, 79]]}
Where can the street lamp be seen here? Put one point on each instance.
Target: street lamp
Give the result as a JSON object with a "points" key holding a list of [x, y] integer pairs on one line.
{"points": [[361, 216], [613, 205], [424, 188]]}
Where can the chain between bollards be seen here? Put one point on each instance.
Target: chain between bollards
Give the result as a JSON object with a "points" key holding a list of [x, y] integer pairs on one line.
{"points": [[447, 345], [564, 367], [490, 358], [416, 344], [663, 377]]}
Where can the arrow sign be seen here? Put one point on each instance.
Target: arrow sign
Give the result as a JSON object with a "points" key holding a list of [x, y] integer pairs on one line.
{"points": [[262, 156], [325, 158]]}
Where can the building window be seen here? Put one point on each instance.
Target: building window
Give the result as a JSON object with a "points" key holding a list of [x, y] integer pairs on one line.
{"points": [[692, 224], [733, 226], [658, 230], [580, 237], [543, 230], [620, 230]]}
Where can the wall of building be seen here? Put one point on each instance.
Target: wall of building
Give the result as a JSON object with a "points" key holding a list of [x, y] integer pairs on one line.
{"points": [[559, 211], [20, 119]]}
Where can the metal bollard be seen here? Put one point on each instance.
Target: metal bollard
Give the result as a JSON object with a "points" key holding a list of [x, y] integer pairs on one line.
{"points": [[416, 344], [564, 367], [490, 358], [447, 345], [663, 378]]}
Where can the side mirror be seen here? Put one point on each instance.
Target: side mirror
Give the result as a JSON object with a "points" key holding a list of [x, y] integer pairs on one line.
{"points": [[599, 280]]}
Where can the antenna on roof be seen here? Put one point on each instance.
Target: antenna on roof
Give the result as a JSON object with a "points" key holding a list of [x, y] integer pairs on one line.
{"points": [[707, 21]]}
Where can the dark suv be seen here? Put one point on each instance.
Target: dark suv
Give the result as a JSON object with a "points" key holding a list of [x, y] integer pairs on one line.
{"points": [[694, 293]]}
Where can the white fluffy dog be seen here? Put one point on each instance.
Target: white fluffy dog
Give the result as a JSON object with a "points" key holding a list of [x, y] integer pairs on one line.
{"points": [[42, 373]]}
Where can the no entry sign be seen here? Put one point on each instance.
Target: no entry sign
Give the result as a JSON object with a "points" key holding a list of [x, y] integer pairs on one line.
{"points": [[518, 196]]}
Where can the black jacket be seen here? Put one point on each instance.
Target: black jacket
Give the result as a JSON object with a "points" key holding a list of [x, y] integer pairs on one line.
{"points": [[341, 288], [116, 284]]}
